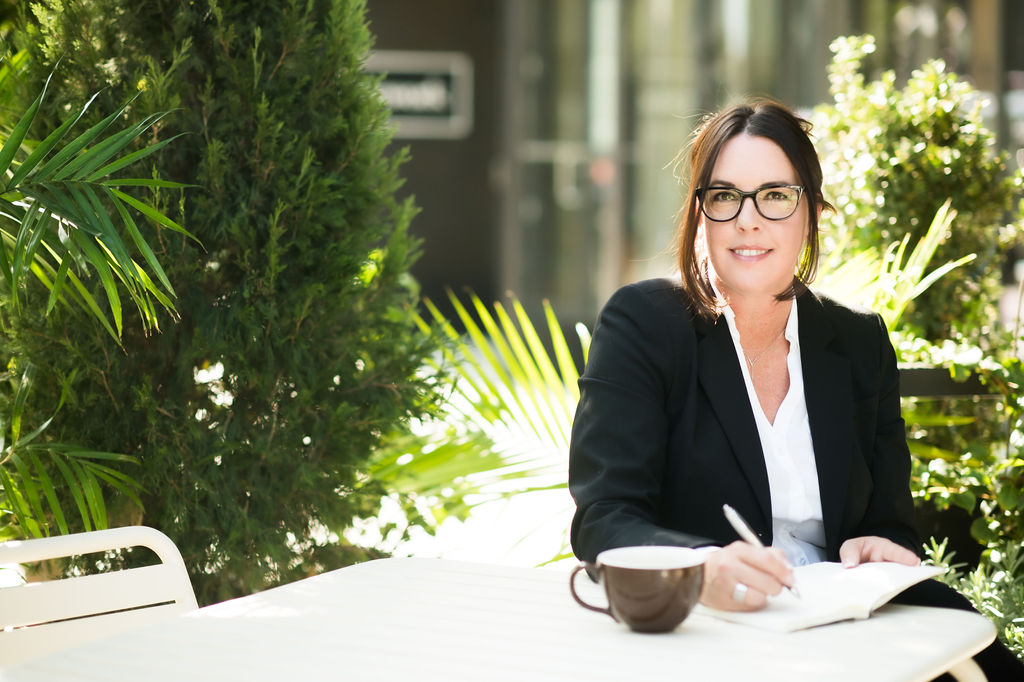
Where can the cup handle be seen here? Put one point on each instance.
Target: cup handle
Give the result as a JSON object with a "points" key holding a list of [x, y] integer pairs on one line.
{"points": [[579, 600]]}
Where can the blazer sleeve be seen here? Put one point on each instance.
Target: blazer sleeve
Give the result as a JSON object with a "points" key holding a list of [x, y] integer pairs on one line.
{"points": [[618, 446], [890, 509]]}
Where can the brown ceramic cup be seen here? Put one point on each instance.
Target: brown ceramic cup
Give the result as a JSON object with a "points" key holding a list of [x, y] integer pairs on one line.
{"points": [[649, 588]]}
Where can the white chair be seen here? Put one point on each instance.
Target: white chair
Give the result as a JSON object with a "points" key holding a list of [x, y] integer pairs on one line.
{"points": [[40, 617]]}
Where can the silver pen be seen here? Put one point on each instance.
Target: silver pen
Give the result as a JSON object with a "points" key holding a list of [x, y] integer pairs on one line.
{"points": [[744, 531]]}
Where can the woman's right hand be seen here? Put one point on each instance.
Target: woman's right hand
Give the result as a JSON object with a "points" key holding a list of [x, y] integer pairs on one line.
{"points": [[764, 571]]}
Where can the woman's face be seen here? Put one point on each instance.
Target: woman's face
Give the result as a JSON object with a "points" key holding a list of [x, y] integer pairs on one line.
{"points": [[750, 254]]}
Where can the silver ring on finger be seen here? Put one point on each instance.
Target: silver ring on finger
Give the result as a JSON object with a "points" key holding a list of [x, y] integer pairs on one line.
{"points": [[739, 593]]}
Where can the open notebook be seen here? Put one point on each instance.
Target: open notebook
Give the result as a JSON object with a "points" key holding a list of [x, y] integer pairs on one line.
{"points": [[829, 592]]}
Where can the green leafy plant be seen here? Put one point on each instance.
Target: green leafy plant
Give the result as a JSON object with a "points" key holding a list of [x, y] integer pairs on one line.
{"points": [[64, 217], [254, 415], [888, 284], [504, 429], [981, 471], [60, 200], [977, 468], [995, 588], [35, 475], [891, 156]]}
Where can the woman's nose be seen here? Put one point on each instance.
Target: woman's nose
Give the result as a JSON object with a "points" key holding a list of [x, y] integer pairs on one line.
{"points": [[748, 218]]}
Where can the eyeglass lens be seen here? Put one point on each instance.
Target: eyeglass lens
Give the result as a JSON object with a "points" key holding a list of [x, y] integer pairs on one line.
{"points": [[774, 203]]}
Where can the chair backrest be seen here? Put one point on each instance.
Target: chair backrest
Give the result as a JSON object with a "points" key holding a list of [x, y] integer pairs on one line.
{"points": [[40, 617]]}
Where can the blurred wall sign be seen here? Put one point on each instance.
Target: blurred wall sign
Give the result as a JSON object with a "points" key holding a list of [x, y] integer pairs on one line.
{"points": [[430, 93]]}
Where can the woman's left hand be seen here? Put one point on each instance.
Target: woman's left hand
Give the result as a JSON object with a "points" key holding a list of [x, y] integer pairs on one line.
{"points": [[873, 548]]}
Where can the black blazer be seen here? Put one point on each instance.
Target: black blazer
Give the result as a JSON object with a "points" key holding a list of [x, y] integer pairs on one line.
{"points": [[664, 432]]}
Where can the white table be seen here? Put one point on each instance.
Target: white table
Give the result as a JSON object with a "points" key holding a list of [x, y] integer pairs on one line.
{"points": [[430, 619]]}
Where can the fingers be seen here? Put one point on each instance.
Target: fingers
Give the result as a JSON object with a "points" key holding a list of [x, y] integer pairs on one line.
{"points": [[850, 552], [872, 548], [757, 571]]}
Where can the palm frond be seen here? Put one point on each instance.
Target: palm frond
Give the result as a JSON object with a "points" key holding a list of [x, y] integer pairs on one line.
{"points": [[70, 219], [66, 217], [505, 429], [887, 282], [28, 467]]}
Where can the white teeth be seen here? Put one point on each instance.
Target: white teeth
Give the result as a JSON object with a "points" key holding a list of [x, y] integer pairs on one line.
{"points": [[749, 252]]}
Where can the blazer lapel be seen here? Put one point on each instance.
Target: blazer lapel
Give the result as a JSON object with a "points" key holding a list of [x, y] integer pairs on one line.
{"points": [[721, 377], [827, 390]]}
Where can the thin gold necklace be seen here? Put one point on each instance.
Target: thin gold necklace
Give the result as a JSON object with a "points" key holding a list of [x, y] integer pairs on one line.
{"points": [[753, 360]]}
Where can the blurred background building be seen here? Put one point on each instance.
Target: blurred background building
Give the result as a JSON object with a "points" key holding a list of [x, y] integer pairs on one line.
{"points": [[543, 132]]}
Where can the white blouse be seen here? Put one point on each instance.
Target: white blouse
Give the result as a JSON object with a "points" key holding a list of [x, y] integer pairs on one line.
{"points": [[797, 528]]}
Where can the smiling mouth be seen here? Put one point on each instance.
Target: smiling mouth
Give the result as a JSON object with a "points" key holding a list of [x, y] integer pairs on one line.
{"points": [[750, 252]]}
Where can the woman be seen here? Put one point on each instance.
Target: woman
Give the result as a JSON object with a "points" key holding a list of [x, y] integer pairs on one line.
{"points": [[735, 384]]}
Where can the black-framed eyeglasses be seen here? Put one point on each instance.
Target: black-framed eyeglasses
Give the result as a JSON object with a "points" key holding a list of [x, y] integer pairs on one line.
{"points": [[776, 202]]}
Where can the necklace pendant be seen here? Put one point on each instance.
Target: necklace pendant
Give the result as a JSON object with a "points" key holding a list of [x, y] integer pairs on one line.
{"points": [[753, 361]]}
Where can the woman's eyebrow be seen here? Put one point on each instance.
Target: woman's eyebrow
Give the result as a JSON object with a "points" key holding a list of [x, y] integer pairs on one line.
{"points": [[771, 183]]}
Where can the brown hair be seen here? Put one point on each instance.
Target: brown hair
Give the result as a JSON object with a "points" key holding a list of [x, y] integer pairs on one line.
{"points": [[760, 118]]}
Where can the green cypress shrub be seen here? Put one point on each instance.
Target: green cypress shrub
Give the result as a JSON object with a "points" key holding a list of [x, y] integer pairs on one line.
{"points": [[252, 415]]}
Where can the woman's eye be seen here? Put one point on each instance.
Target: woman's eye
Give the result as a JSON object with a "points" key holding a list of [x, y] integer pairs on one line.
{"points": [[723, 196]]}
